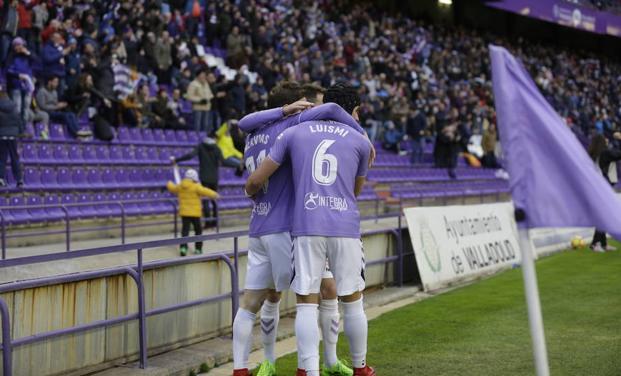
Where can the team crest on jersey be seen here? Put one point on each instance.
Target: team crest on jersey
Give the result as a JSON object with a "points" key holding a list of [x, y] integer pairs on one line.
{"points": [[261, 208], [314, 200]]}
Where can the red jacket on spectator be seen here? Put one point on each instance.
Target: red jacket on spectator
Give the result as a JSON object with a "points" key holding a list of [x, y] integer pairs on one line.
{"points": [[25, 14], [47, 32]]}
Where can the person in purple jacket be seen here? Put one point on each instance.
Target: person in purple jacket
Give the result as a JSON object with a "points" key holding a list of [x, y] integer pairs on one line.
{"points": [[329, 163], [20, 81], [53, 59], [269, 257]]}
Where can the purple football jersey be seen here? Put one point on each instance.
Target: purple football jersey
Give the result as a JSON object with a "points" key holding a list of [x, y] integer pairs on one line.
{"points": [[272, 205], [325, 157]]}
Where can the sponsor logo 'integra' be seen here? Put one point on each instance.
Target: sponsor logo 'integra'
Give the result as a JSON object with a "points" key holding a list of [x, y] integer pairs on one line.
{"points": [[314, 200]]}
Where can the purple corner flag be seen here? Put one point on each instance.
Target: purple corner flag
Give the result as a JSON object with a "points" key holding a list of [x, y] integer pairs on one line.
{"points": [[552, 178]]}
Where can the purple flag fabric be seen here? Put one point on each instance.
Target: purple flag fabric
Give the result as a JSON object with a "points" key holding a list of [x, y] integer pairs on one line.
{"points": [[552, 178]]}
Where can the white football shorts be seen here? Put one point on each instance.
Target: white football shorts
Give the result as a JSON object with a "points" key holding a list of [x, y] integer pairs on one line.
{"points": [[345, 257], [269, 262]]}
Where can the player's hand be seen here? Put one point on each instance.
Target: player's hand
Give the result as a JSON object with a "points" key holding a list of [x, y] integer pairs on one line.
{"points": [[173, 161], [296, 107]]}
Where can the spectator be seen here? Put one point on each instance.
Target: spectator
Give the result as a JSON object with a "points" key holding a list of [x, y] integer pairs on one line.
{"points": [[227, 146], [20, 80], [200, 95], [147, 117], [24, 27], [162, 108], [163, 57], [190, 192], [392, 138], [488, 143], [235, 48], [11, 126], [8, 27], [416, 126], [209, 160], [40, 17], [47, 99], [73, 66], [53, 58], [447, 141]]}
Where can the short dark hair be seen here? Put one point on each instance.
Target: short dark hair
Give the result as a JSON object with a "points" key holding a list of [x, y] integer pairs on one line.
{"points": [[284, 93], [343, 94], [310, 91]]}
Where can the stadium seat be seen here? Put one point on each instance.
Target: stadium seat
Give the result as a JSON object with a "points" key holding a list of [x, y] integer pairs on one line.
{"points": [[75, 153], [147, 136], [123, 135], [17, 211], [63, 177], [48, 178], [102, 153], [57, 132], [116, 153], [78, 178], [68, 200], [135, 135], [94, 179], [37, 214], [128, 154], [45, 153], [60, 153], [53, 210], [28, 153], [181, 137], [159, 138], [87, 211], [88, 154], [122, 178], [32, 178]]}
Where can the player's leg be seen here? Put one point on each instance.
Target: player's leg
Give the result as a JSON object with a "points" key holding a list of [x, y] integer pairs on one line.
{"points": [[346, 259], [258, 282], [329, 319], [309, 255], [278, 247]]}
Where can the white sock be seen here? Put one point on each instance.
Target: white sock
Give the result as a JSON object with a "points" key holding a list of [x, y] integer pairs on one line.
{"points": [[329, 321], [307, 338], [356, 330], [270, 316], [242, 337]]}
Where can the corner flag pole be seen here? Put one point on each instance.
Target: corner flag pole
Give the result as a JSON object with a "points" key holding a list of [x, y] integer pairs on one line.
{"points": [[533, 303]]}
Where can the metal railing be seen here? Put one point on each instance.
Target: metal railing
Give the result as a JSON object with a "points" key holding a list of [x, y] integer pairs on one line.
{"points": [[122, 226], [136, 272]]}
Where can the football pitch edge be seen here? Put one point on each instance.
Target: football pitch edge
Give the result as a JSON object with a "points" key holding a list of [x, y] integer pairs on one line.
{"points": [[482, 328]]}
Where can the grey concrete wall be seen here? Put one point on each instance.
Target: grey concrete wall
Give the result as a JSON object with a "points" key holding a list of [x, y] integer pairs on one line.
{"points": [[60, 306]]}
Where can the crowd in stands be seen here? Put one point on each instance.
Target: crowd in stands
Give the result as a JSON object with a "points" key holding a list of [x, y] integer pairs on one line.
{"points": [[144, 63]]}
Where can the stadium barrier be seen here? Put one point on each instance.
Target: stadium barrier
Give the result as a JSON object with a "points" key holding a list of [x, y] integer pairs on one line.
{"points": [[123, 225], [136, 272]]}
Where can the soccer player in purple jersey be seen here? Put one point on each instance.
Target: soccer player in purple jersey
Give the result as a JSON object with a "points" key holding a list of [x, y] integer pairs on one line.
{"points": [[269, 257], [329, 164]]}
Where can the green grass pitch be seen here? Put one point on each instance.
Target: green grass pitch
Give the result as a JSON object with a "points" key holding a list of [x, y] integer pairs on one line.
{"points": [[482, 329]]}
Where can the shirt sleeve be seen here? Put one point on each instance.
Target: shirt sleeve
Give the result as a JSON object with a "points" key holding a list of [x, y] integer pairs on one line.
{"points": [[329, 111], [281, 147], [363, 163], [259, 119]]}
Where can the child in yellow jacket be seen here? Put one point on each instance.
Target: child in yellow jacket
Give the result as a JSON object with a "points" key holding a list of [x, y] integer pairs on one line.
{"points": [[190, 192]]}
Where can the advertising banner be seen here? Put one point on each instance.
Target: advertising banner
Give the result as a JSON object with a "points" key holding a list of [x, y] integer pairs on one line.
{"points": [[564, 13], [453, 243]]}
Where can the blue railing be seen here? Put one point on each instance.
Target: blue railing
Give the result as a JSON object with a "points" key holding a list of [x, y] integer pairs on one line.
{"points": [[136, 272]]}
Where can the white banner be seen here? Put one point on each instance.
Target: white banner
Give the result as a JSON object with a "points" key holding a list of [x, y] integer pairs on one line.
{"points": [[452, 243]]}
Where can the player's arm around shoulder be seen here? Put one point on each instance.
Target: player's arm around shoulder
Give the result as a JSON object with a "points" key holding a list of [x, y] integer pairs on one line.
{"points": [[267, 168]]}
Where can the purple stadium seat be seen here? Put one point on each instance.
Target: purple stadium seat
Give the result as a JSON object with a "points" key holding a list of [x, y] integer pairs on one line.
{"points": [[38, 128], [101, 208], [193, 137], [19, 215], [78, 178], [165, 154], [37, 214], [135, 135], [170, 136], [63, 177], [114, 208], [135, 177], [48, 178], [116, 153], [181, 137], [32, 178], [131, 208], [45, 153], [57, 132], [60, 153], [75, 153], [102, 153], [152, 155], [93, 177], [28, 154], [87, 211], [158, 205], [67, 199], [147, 135], [140, 153], [122, 178], [123, 134], [6, 215], [158, 136], [88, 153], [108, 179], [128, 154], [53, 210]]}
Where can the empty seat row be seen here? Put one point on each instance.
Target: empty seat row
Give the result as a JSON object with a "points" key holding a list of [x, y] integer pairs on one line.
{"points": [[144, 136], [46, 153], [34, 209]]}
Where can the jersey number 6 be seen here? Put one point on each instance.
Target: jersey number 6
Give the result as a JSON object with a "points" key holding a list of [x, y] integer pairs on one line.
{"points": [[324, 165]]}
